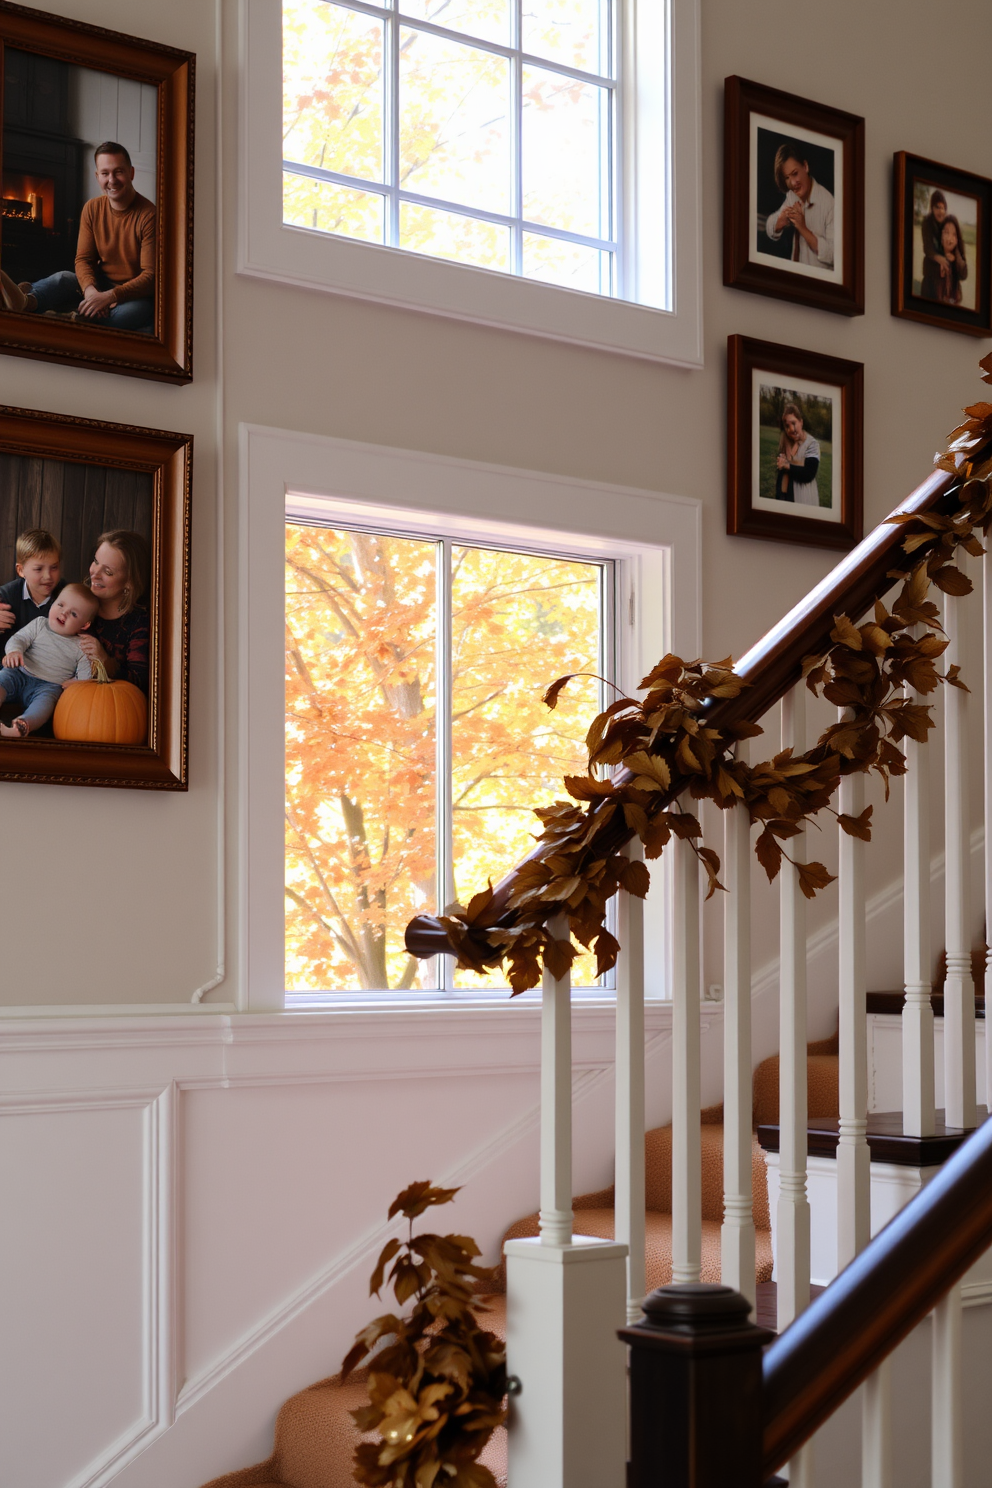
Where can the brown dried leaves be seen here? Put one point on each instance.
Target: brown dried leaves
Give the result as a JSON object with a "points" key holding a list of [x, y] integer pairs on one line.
{"points": [[669, 751], [437, 1387]]}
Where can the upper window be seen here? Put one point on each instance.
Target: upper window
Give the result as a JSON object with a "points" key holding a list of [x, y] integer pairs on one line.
{"points": [[527, 164], [482, 131]]}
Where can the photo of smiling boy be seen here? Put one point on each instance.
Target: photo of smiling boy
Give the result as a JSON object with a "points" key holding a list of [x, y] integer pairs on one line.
{"points": [[45, 657], [39, 579]]}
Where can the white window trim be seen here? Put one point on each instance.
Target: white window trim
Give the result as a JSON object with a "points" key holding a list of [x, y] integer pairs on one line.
{"points": [[660, 190], [374, 483]]}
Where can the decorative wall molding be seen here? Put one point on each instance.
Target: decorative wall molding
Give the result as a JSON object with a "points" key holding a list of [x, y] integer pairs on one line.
{"points": [[366, 1245], [157, 1364]]}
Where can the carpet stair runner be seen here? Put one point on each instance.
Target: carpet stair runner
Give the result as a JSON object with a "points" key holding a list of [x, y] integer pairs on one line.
{"points": [[315, 1437]]}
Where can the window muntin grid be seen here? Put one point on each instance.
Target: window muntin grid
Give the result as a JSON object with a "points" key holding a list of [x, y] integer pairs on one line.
{"points": [[522, 198], [468, 629]]}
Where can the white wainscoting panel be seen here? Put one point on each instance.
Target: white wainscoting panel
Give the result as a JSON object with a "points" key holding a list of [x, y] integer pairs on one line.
{"points": [[191, 1205], [85, 1362]]}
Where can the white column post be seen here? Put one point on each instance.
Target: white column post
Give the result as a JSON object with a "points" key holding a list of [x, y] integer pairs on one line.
{"points": [[792, 1258], [959, 989], [876, 1429], [629, 1193], [687, 1230], [917, 1014], [565, 1303], [737, 1234], [947, 1437], [556, 1102], [853, 1160]]}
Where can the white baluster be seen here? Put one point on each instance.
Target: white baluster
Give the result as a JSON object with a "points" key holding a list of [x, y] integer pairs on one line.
{"points": [[987, 633], [876, 1429], [947, 1431], [917, 1013], [556, 1101], [629, 1193], [959, 989], [737, 1234], [792, 1259], [853, 1160], [562, 1317], [687, 1233]]}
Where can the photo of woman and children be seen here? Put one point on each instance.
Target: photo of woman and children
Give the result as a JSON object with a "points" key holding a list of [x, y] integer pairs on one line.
{"points": [[945, 227], [61, 625]]}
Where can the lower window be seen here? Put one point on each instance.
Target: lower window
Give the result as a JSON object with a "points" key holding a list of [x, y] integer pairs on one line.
{"points": [[417, 741]]}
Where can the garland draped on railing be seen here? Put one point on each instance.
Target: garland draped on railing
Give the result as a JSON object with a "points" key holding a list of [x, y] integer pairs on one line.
{"points": [[663, 754]]}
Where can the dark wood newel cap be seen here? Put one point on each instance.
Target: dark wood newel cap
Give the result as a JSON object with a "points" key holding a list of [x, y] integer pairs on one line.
{"points": [[700, 1304], [698, 1317]]}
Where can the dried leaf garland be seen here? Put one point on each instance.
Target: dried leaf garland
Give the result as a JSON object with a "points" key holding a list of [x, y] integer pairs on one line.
{"points": [[673, 757], [437, 1380]]}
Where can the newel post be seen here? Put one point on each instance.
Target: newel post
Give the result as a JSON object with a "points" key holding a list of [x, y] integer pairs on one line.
{"points": [[695, 1390]]}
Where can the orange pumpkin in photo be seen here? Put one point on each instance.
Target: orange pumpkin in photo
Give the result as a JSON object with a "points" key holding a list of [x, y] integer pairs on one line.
{"points": [[102, 712]]}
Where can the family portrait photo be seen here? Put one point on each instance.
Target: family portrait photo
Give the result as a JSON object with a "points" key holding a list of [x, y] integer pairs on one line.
{"points": [[796, 220], [79, 189], [94, 568], [940, 246], [794, 448], [793, 198], [945, 239], [795, 431], [95, 225]]}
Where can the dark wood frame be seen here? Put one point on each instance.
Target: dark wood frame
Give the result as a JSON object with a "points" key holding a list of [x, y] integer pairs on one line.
{"points": [[161, 764], [166, 355], [906, 168], [744, 355], [741, 99]]}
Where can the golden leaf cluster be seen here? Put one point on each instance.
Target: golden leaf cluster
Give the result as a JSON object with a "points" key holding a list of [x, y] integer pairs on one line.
{"points": [[437, 1379], [649, 759]]}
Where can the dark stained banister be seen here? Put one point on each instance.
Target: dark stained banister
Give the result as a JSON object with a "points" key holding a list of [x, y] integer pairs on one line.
{"points": [[888, 1289], [770, 668]]}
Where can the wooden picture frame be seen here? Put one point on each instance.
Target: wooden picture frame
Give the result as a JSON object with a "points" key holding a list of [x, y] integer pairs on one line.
{"points": [[75, 478], [826, 394], [56, 76], [759, 125], [928, 285]]}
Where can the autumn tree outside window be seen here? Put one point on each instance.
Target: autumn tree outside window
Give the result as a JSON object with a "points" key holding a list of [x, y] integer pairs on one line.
{"points": [[417, 744], [481, 131]]}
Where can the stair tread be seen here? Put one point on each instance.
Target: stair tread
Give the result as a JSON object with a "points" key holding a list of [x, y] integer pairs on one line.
{"points": [[886, 1140]]}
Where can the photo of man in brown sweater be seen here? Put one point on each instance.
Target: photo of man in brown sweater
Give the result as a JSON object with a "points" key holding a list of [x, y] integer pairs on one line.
{"points": [[114, 279]]}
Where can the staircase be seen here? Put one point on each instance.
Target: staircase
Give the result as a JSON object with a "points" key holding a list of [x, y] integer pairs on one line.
{"points": [[705, 1407], [315, 1437]]}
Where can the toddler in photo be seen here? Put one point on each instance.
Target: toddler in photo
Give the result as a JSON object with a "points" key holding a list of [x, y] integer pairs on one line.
{"points": [[44, 657]]}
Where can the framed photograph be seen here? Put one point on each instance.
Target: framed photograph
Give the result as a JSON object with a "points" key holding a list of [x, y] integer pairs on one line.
{"points": [[794, 192], [795, 432], [94, 602], [96, 213], [941, 263]]}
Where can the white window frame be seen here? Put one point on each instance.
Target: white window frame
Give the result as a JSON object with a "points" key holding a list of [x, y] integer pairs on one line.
{"points": [[658, 593], [659, 191]]}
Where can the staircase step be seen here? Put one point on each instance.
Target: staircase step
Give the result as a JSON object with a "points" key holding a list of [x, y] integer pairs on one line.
{"points": [[886, 1141], [766, 1304]]}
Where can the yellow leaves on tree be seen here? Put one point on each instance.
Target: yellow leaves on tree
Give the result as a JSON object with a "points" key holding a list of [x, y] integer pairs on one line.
{"points": [[361, 793]]}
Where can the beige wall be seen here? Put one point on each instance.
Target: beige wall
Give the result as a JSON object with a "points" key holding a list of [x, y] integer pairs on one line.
{"points": [[129, 881]]}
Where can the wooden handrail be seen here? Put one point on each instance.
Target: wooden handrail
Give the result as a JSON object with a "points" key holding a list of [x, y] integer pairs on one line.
{"points": [[770, 668], [882, 1295]]}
